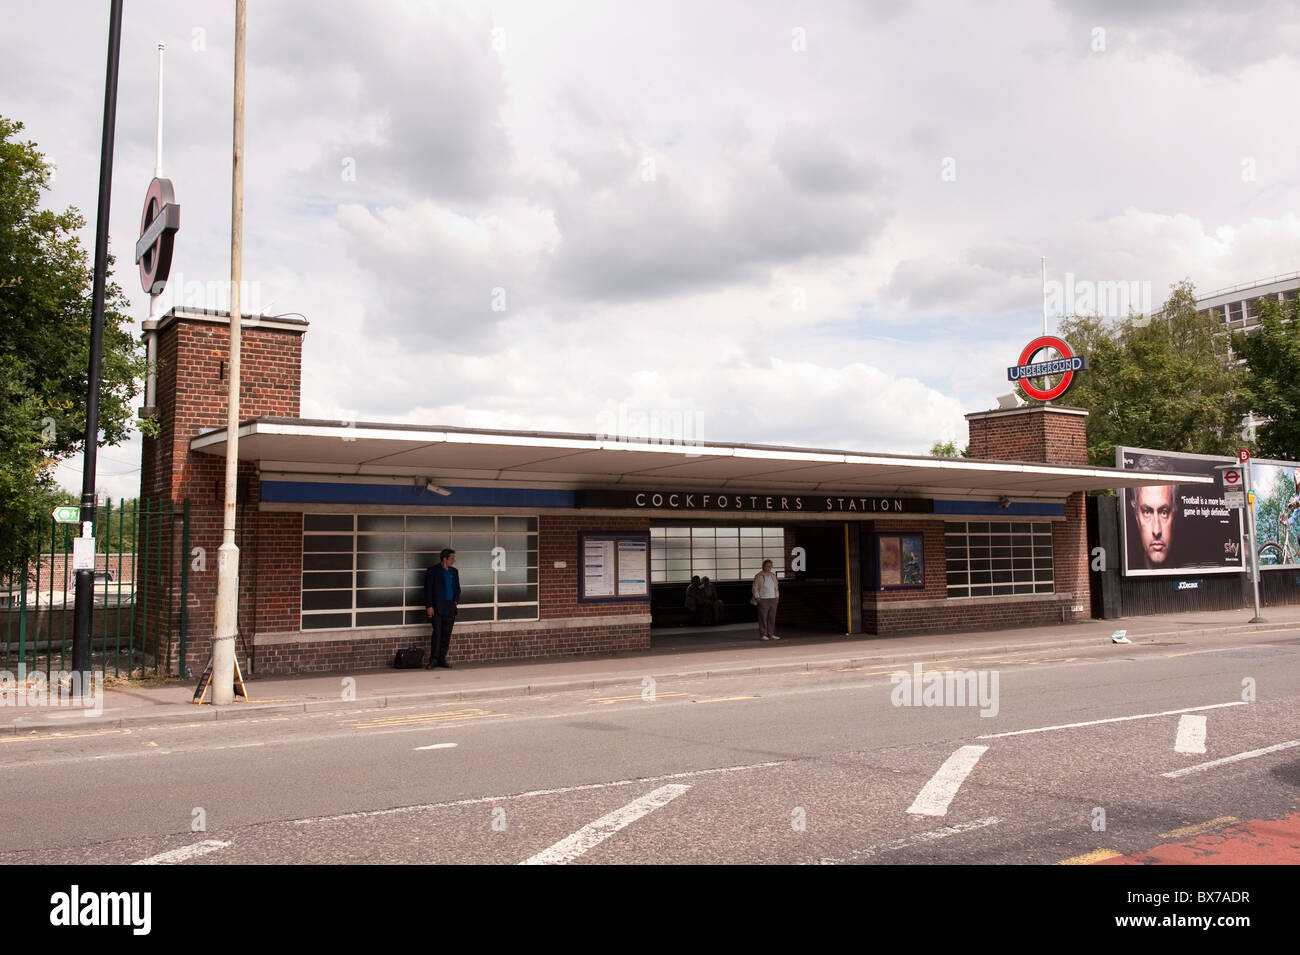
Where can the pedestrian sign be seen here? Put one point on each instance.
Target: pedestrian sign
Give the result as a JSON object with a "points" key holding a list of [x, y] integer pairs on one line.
{"points": [[68, 514]]}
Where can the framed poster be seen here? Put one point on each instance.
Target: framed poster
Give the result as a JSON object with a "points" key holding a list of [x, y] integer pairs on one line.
{"points": [[900, 561], [613, 566], [1175, 528]]}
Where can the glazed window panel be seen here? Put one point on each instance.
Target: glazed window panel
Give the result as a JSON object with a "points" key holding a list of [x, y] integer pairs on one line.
{"points": [[717, 551], [995, 558], [367, 570]]}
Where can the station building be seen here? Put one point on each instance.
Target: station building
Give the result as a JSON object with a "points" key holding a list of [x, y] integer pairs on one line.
{"points": [[582, 544]]}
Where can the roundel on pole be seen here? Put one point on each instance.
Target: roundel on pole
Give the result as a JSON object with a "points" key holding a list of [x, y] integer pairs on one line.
{"points": [[158, 224], [1065, 365]]}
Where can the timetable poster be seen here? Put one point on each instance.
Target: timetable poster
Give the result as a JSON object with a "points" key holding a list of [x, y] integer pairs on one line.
{"points": [[598, 567], [633, 566]]}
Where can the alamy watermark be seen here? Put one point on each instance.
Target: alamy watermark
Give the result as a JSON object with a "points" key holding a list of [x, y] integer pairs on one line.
{"points": [[652, 426], [124, 909], [1108, 299], [215, 295], [75, 689], [946, 688]]}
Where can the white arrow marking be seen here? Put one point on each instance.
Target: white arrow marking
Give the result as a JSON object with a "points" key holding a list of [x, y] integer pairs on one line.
{"points": [[1191, 734], [592, 834], [919, 839], [933, 800], [184, 853]]}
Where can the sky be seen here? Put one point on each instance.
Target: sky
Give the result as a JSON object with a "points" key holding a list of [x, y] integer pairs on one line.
{"points": [[786, 223]]}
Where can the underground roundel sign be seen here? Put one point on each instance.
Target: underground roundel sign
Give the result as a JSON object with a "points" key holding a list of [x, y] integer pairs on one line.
{"points": [[1034, 364], [158, 225]]}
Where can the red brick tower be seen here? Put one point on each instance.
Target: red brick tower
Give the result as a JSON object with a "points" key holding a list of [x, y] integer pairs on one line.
{"points": [[1045, 434], [189, 397]]}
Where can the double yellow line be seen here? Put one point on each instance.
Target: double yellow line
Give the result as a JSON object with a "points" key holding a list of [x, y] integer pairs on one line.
{"points": [[419, 719]]}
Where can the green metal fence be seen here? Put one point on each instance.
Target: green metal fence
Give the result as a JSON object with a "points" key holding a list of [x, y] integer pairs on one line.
{"points": [[141, 609]]}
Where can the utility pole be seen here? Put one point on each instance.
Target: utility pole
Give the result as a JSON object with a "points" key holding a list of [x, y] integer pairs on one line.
{"points": [[227, 615], [84, 547]]}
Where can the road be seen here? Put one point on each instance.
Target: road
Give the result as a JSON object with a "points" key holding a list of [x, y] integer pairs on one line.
{"points": [[1169, 751]]}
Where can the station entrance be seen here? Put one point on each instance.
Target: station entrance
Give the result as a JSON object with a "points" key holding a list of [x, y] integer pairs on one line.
{"points": [[810, 558]]}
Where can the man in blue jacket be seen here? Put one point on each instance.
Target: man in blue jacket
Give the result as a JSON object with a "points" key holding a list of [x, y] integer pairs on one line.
{"points": [[441, 594]]}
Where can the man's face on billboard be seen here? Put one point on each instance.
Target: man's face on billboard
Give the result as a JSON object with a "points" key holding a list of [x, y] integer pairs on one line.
{"points": [[1155, 517]]}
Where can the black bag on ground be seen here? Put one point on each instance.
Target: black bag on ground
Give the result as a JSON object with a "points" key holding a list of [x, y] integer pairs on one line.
{"points": [[412, 658]]}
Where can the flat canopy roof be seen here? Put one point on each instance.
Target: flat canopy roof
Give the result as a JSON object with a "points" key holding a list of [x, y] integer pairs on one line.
{"points": [[332, 449]]}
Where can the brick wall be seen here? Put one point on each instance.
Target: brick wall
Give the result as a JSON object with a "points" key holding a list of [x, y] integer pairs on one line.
{"points": [[1044, 434], [977, 613], [557, 540], [470, 643], [193, 380]]}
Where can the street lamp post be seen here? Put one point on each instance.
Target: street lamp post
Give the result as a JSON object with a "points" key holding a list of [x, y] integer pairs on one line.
{"points": [[84, 552]]}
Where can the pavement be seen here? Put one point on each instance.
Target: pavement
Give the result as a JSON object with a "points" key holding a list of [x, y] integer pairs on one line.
{"points": [[716, 652], [1253, 842]]}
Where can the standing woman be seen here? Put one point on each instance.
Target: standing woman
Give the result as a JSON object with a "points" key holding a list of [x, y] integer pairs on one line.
{"points": [[766, 595]]}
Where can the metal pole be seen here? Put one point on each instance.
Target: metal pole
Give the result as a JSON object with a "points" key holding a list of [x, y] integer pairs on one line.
{"points": [[227, 611], [1254, 553], [157, 162], [154, 299], [1043, 261], [85, 596]]}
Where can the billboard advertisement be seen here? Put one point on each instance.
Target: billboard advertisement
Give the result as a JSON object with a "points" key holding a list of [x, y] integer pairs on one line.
{"points": [[1175, 529], [1277, 505]]}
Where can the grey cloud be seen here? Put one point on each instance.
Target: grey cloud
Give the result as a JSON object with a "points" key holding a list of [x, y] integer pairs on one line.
{"points": [[650, 239], [967, 289], [1217, 37], [429, 85], [814, 161]]}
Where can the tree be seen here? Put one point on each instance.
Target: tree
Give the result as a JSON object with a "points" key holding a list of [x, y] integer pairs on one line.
{"points": [[1167, 381], [948, 449], [46, 279], [1272, 356]]}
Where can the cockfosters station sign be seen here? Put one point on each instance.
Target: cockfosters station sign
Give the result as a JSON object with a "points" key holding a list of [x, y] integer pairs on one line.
{"points": [[750, 501]]}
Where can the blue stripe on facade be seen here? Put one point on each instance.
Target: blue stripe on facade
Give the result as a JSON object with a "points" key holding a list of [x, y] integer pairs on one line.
{"points": [[308, 492], [1017, 508]]}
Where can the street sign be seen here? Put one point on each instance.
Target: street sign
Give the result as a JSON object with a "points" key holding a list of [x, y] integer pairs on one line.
{"points": [[1232, 478], [83, 553], [1243, 455], [1235, 498], [68, 514]]}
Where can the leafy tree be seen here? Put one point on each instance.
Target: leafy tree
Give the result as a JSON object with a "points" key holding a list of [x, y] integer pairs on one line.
{"points": [[46, 279], [1272, 357], [1167, 381], [948, 449]]}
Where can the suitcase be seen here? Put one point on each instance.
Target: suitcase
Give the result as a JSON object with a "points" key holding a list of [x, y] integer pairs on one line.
{"points": [[412, 658]]}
